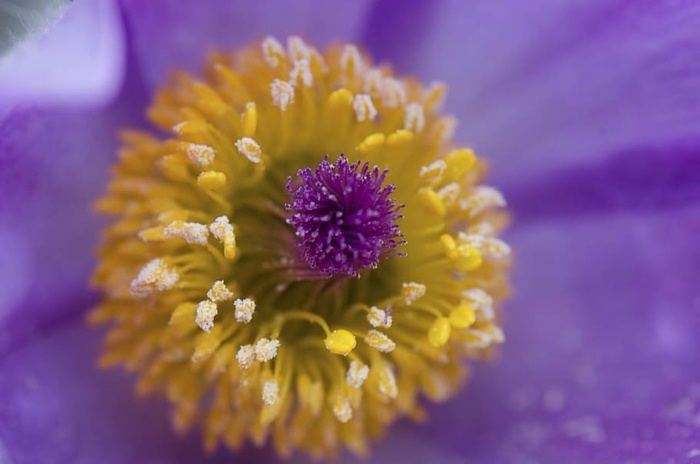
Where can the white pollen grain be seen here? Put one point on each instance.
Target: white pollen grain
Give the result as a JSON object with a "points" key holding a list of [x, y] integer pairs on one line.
{"points": [[266, 350], [245, 308], [364, 108], [201, 155], [414, 119], [245, 356], [282, 94], [270, 392], [219, 292], [357, 374], [379, 341], [250, 149], [378, 317], [206, 312]]}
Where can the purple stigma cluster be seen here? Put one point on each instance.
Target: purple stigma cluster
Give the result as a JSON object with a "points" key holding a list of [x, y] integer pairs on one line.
{"points": [[344, 219]]}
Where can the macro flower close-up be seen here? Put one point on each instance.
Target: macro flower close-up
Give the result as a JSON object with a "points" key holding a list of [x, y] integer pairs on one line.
{"points": [[371, 231]]}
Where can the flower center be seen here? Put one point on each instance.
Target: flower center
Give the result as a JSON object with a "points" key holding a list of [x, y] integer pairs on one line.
{"points": [[226, 277], [344, 219]]}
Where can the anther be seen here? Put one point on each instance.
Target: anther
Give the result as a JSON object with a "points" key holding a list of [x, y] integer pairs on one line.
{"points": [[282, 94], [245, 356], [378, 317], [414, 119], [357, 374], [249, 148], [462, 316], [340, 341], [481, 199], [380, 341], [219, 292], [364, 108], [206, 312], [341, 408], [223, 231], [266, 350], [273, 51], [411, 291], [211, 180], [244, 310], [192, 232], [439, 332], [270, 392], [249, 119], [156, 275], [201, 155]]}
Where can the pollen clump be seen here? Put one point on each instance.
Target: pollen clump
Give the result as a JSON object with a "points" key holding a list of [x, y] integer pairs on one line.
{"points": [[300, 252]]}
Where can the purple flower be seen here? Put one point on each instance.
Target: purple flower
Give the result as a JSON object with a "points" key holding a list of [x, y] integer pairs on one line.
{"points": [[590, 115], [351, 210]]}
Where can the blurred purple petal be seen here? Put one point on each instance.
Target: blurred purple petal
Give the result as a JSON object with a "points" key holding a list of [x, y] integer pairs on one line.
{"points": [[170, 34], [58, 408], [601, 359], [639, 179], [78, 62], [536, 87], [53, 165]]}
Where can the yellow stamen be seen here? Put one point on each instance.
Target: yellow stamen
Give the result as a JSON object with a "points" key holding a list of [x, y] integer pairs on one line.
{"points": [[340, 342]]}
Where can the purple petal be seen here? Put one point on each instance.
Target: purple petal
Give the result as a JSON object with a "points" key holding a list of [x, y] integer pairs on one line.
{"points": [[601, 359], [177, 35], [542, 86], [53, 165], [644, 178], [57, 407], [78, 62]]}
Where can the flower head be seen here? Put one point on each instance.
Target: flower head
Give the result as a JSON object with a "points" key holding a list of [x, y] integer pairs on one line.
{"points": [[226, 277]]}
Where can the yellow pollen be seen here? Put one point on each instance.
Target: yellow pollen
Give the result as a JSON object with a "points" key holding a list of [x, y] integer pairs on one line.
{"points": [[211, 180], [340, 342], [462, 316], [459, 162], [249, 119], [208, 292], [439, 332], [432, 202], [244, 310]]}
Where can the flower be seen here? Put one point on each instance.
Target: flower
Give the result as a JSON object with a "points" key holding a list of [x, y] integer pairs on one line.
{"points": [[347, 311], [588, 114]]}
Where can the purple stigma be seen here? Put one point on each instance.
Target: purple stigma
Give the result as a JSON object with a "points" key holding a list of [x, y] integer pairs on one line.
{"points": [[344, 218]]}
